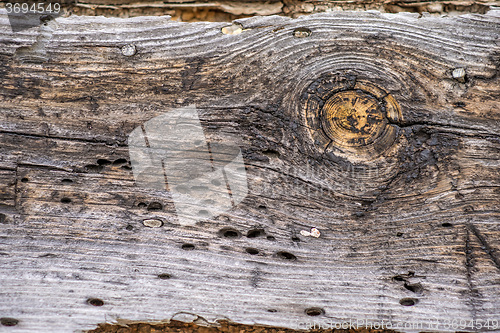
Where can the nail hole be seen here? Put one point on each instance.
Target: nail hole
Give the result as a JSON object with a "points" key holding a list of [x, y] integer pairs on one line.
{"points": [[164, 276], [187, 247], [408, 301], [66, 181], [271, 153], [302, 32], [93, 168], [398, 278], [120, 161], [103, 162], [447, 224], [142, 205], [229, 233], [271, 238], [399, 234], [5, 321], [66, 200], [2, 218], [252, 251], [295, 239], [154, 206], [254, 233], [25, 180], [416, 287], [286, 255], [95, 302], [129, 227], [272, 310], [313, 312], [262, 207]]}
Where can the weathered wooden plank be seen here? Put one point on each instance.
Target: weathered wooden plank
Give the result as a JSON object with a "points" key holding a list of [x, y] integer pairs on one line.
{"points": [[229, 10], [413, 220]]}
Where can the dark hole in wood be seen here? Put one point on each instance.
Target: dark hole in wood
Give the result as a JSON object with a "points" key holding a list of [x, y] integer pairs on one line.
{"points": [[95, 301], [286, 255], [164, 276], [271, 153], [129, 227], [271, 238], [25, 180], [126, 167], [66, 181], [48, 255], [302, 32], [254, 233], [252, 251], [295, 239], [416, 287], [408, 301], [313, 312], [272, 310], [103, 162], [5, 321], [120, 161], [229, 233], [66, 200], [399, 234], [262, 207], [2, 218], [93, 168], [142, 205], [187, 247], [447, 224], [154, 206], [399, 278]]}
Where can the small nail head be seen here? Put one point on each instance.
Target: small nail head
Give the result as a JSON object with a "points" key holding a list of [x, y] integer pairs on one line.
{"points": [[152, 223], [459, 74], [129, 50]]}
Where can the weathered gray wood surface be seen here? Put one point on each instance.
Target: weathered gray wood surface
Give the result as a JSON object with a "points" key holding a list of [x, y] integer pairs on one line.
{"points": [[420, 221]]}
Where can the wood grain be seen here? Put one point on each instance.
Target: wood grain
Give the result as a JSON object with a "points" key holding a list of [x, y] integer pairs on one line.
{"points": [[419, 222]]}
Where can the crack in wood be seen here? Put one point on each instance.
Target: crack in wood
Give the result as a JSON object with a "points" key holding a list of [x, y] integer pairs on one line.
{"points": [[485, 246]]}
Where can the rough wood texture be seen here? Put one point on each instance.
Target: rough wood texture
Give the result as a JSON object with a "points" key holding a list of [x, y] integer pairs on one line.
{"points": [[224, 10], [413, 220]]}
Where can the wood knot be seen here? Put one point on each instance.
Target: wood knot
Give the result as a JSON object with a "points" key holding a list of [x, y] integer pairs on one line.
{"points": [[352, 118]]}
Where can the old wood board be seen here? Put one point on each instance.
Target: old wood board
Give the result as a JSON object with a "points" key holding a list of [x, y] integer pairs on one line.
{"points": [[407, 208]]}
